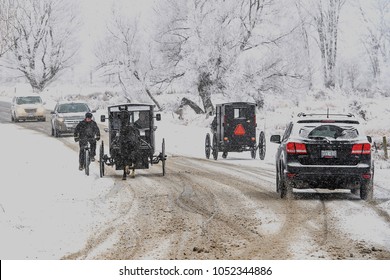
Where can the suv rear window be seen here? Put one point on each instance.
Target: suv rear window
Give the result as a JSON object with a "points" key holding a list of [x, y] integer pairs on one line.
{"points": [[332, 131]]}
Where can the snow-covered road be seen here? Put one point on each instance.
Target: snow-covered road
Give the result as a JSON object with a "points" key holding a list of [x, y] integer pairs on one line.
{"points": [[202, 209]]}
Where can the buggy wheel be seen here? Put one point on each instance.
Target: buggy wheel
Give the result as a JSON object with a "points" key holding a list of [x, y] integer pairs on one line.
{"points": [[262, 147], [163, 156], [87, 162], [207, 146], [101, 160], [253, 153], [215, 147]]}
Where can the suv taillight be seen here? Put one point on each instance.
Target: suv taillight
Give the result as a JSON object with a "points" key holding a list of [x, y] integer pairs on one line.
{"points": [[361, 149], [296, 148]]}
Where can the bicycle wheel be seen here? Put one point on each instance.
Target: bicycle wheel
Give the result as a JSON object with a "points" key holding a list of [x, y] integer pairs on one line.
{"points": [[101, 160], [163, 156], [87, 162]]}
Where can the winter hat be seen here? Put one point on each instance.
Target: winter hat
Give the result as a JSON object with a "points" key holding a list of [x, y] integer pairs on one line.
{"points": [[88, 115]]}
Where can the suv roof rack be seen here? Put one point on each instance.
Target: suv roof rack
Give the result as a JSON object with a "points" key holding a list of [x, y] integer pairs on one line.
{"points": [[334, 118], [349, 115]]}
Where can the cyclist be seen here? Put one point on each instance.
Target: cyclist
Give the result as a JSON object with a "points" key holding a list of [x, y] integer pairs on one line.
{"points": [[86, 131]]}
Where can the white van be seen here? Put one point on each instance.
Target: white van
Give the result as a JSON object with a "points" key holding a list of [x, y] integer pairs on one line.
{"points": [[27, 108]]}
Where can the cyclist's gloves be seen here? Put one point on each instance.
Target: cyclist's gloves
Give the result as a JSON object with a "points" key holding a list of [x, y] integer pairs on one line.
{"points": [[76, 139], [97, 138]]}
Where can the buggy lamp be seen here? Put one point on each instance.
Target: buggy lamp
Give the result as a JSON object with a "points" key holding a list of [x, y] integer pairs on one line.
{"points": [[225, 139], [291, 175], [366, 176], [253, 139]]}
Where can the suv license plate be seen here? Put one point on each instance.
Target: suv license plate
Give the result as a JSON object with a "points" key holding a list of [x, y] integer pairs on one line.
{"points": [[328, 154]]}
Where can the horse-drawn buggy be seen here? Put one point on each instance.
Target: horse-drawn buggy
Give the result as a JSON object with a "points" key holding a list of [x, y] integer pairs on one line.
{"points": [[234, 130], [131, 139]]}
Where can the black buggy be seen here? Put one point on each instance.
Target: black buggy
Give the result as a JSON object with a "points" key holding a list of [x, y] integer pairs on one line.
{"points": [[131, 139], [234, 130]]}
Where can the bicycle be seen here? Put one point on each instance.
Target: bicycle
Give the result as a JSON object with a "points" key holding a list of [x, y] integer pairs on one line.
{"points": [[86, 154]]}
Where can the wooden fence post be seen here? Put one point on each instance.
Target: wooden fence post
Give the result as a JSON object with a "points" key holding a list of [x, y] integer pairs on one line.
{"points": [[385, 147]]}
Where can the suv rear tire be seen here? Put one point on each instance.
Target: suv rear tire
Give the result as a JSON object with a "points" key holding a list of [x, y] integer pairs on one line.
{"points": [[366, 190], [283, 188]]}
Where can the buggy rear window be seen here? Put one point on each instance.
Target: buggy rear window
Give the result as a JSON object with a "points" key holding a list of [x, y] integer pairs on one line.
{"points": [[331, 131], [243, 112]]}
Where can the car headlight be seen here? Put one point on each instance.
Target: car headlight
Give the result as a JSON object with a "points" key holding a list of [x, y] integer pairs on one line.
{"points": [[20, 110], [41, 110], [60, 119]]}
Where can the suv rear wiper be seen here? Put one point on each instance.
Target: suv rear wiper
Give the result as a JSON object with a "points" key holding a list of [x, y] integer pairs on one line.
{"points": [[326, 138]]}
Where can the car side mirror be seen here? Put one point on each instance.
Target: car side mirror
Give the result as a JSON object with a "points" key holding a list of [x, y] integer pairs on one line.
{"points": [[102, 118], [52, 112], [275, 139], [369, 138], [93, 111], [158, 117]]}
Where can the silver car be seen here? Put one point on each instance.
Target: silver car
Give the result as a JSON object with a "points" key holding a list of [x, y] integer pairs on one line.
{"points": [[66, 115]]}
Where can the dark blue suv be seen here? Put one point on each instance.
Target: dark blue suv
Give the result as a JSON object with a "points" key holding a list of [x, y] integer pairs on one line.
{"points": [[328, 151]]}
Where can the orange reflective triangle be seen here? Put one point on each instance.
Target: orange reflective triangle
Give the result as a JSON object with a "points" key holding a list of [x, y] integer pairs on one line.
{"points": [[239, 130]]}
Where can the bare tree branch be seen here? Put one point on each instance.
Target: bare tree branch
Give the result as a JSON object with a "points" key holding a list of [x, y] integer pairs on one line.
{"points": [[43, 34]]}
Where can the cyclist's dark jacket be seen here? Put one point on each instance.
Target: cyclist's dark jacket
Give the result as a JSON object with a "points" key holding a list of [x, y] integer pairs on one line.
{"points": [[87, 130]]}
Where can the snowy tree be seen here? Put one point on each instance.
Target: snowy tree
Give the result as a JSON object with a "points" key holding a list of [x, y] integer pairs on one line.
{"points": [[305, 23], [326, 18], [7, 17], [126, 54], [376, 38], [43, 40], [196, 44], [214, 46]]}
